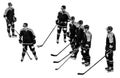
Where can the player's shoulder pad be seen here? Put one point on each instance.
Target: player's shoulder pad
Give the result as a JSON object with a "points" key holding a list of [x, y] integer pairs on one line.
{"points": [[29, 29]]}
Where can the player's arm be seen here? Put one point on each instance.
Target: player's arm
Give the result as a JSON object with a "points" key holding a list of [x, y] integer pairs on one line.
{"points": [[20, 36]]}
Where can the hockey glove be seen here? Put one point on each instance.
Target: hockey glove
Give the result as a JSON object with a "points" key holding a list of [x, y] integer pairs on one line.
{"points": [[34, 41], [57, 22], [20, 41], [14, 19]]}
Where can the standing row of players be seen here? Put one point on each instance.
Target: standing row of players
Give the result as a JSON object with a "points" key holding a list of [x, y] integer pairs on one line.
{"points": [[80, 36]]}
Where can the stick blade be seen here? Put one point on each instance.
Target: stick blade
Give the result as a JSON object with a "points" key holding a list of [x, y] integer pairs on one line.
{"points": [[80, 73], [39, 46], [53, 55], [30, 58], [56, 68], [55, 61]]}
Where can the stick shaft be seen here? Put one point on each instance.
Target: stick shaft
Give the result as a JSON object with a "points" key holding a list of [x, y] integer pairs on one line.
{"points": [[49, 35], [29, 56], [63, 63], [94, 65], [64, 57], [63, 49]]}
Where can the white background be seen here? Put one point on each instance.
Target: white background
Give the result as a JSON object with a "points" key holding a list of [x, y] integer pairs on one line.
{"points": [[41, 16]]}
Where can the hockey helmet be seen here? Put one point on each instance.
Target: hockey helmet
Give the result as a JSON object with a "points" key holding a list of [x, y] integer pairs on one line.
{"points": [[110, 28], [25, 25], [63, 6], [9, 4], [86, 26], [80, 22], [72, 18]]}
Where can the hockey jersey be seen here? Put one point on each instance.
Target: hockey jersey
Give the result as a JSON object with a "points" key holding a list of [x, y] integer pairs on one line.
{"points": [[72, 29], [86, 41], [110, 41], [27, 35], [62, 18], [9, 13], [79, 34]]}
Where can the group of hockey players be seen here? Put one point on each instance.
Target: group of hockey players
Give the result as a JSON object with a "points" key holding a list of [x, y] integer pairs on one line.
{"points": [[79, 35], [26, 36]]}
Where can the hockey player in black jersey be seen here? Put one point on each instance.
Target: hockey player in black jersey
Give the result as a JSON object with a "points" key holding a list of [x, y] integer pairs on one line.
{"points": [[62, 20], [86, 45], [71, 33], [27, 38], [78, 38], [10, 18], [110, 47]]}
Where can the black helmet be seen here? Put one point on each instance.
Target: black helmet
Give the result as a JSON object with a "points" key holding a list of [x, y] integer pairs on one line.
{"points": [[9, 4], [86, 26], [25, 24], [63, 6], [72, 18], [80, 21], [110, 28]]}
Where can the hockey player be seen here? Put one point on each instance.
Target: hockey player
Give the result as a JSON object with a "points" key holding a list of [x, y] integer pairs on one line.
{"points": [[62, 20], [71, 33], [78, 38], [86, 45], [10, 19], [27, 38], [110, 47]]}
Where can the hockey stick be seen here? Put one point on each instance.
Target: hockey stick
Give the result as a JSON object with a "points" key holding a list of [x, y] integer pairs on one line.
{"points": [[60, 51], [24, 48], [62, 58], [28, 55], [65, 61], [93, 65], [47, 37], [62, 64]]}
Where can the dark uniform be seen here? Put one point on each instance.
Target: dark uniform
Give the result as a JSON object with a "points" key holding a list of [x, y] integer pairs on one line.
{"points": [[78, 39], [110, 47], [27, 38], [86, 45], [10, 19], [62, 20], [72, 33]]}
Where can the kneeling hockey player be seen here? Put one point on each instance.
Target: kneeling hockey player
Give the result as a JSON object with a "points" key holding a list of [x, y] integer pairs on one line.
{"points": [[110, 47], [86, 45], [27, 38], [10, 19], [62, 20]]}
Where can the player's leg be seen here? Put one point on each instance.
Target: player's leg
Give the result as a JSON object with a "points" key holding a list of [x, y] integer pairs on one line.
{"points": [[8, 27], [58, 33], [13, 29], [32, 48], [87, 57], [83, 51], [65, 33], [111, 61], [24, 51]]}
